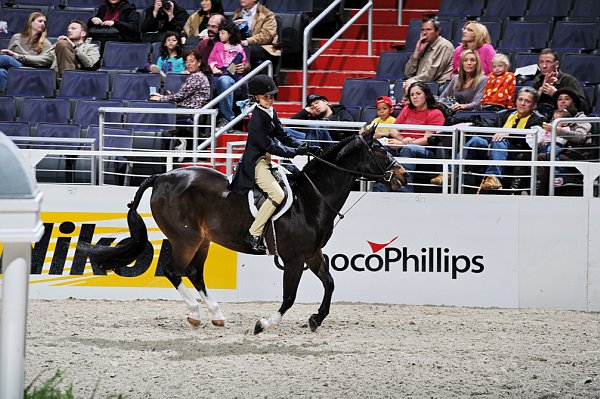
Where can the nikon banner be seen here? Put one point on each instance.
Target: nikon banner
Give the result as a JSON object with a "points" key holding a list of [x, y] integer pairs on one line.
{"points": [[390, 248]]}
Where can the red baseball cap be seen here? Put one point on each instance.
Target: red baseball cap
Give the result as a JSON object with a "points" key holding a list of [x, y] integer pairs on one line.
{"points": [[384, 99]]}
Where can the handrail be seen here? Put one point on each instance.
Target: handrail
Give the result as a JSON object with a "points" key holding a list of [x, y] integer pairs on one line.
{"points": [[306, 61]]}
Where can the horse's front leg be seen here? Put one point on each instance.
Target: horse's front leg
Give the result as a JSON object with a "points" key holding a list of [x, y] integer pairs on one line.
{"points": [[292, 271], [319, 267]]}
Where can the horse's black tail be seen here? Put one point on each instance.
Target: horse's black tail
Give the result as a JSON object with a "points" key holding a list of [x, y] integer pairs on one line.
{"points": [[129, 249]]}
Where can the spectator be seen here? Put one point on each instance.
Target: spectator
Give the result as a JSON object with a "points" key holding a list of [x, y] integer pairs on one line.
{"points": [[550, 79], [499, 90], [197, 23], [32, 41], [318, 108], [431, 60], [421, 110], [263, 42], [465, 90], [162, 17], [226, 58], [545, 139], [475, 36], [170, 59], [385, 114], [206, 45], [497, 150], [115, 20]]}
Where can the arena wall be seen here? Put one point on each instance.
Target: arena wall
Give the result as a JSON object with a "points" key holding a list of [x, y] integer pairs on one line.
{"points": [[458, 250]]}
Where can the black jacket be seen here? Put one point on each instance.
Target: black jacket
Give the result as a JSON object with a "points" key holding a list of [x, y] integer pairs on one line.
{"points": [[339, 113], [128, 23], [264, 135], [161, 23]]}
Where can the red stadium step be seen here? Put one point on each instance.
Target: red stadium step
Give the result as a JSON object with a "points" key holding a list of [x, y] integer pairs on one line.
{"points": [[324, 78], [294, 93], [228, 137], [385, 4], [345, 63], [380, 32], [412, 4], [287, 109], [357, 47], [390, 16]]}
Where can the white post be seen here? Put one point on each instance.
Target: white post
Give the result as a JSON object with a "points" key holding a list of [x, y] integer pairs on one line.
{"points": [[16, 259]]}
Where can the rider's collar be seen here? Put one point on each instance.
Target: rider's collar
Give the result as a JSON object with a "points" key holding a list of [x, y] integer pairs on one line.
{"points": [[269, 111]]}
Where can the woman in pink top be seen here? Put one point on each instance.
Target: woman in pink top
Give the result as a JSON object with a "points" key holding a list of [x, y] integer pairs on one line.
{"points": [[475, 36], [422, 109]]}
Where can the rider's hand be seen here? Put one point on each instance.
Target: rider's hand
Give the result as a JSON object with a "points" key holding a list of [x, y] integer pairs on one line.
{"points": [[302, 150], [315, 150]]}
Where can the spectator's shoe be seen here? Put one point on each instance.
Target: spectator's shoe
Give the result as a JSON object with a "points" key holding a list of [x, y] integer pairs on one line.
{"points": [[558, 181], [490, 183], [439, 180], [257, 243], [221, 123]]}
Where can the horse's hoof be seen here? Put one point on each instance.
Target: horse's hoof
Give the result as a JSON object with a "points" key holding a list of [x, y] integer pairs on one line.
{"points": [[193, 322], [218, 323], [313, 323], [258, 328]]}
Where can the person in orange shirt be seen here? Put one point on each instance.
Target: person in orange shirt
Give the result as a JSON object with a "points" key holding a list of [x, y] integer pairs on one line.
{"points": [[499, 92]]}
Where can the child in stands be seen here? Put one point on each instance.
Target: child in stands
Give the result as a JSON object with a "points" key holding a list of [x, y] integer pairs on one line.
{"points": [[171, 56], [499, 90], [385, 110]]}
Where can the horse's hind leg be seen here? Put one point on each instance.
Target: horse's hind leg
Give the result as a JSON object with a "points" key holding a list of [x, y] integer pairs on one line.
{"points": [[319, 267], [195, 272], [292, 272]]}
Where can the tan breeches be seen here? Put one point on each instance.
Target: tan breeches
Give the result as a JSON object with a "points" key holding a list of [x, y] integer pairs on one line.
{"points": [[265, 180]]}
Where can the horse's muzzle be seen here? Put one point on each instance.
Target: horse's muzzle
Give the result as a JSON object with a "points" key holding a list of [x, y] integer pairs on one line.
{"points": [[396, 177]]}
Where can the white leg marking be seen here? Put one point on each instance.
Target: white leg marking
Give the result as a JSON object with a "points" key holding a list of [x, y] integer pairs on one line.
{"points": [[190, 301], [212, 306], [271, 321]]}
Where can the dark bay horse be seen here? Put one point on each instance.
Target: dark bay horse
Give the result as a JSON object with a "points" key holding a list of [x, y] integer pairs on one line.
{"points": [[193, 207]]}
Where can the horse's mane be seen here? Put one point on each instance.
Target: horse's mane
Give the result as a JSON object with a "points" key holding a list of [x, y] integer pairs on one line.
{"points": [[330, 155]]}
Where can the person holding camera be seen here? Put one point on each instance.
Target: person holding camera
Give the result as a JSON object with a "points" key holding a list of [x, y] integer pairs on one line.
{"points": [[163, 16], [115, 20]]}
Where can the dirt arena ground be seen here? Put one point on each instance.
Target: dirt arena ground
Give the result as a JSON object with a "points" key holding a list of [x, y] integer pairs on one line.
{"points": [[145, 349]]}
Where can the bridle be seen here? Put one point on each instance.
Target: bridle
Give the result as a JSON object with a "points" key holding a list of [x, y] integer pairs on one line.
{"points": [[387, 174]]}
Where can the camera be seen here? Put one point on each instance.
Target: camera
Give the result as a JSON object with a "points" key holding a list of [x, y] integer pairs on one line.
{"points": [[166, 5]]}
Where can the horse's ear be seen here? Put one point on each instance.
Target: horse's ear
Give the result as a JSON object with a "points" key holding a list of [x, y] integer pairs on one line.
{"points": [[368, 135]]}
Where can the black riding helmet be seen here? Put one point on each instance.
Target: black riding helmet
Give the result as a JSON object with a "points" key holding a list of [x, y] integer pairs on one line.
{"points": [[262, 85]]}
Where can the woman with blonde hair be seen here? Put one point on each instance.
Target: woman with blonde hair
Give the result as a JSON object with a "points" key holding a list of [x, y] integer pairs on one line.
{"points": [[466, 87], [32, 41], [475, 36]]}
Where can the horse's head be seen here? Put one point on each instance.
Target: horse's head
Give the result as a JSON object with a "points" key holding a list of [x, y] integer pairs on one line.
{"points": [[379, 162]]}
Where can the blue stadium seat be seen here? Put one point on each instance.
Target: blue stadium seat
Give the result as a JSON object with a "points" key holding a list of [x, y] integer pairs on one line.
{"points": [[525, 35], [391, 64], [461, 8], [289, 5], [399, 88], [58, 20], [575, 35], [505, 8], [545, 8], [86, 112], [16, 129], [596, 108], [44, 3], [585, 67], [134, 86], [8, 109], [150, 121], [524, 59], [16, 17], [84, 84], [30, 82], [125, 55], [369, 113], [174, 81], [229, 6], [51, 110], [494, 28], [363, 92], [84, 3], [4, 42], [588, 91], [114, 138], [585, 8], [355, 111], [59, 130]]}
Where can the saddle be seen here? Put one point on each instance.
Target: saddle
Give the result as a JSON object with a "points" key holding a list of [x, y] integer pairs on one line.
{"points": [[256, 196]]}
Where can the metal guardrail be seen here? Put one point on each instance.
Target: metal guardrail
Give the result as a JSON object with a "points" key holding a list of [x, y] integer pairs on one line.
{"points": [[306, 62]]}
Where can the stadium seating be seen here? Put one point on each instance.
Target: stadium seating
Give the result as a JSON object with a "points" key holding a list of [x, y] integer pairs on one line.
{"points": [[51, 110], [585, 67], [545, 8], [57, 130], [289, 5], [362, 92], [58, 20], [525, 35], [86, 112], [8, 109], [84, 84], [150, 120], [575, 35], [585, 8], [174, 81], [461, 8], [505, 8], [30, 82], [16, 17], [125, 55], [114, 138], [16, 129], [391, 64], [134, 86]]}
